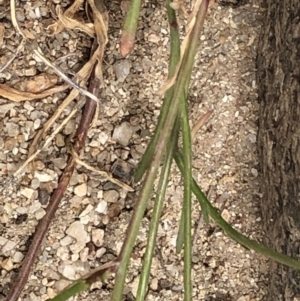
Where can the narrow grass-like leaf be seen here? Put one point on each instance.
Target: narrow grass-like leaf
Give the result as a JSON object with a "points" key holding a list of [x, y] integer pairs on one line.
{"points": [[231, 232], [180, 235], [73, 290], [163, 140], [101, 273], [187, 203], [155, 216], [174, 59]]}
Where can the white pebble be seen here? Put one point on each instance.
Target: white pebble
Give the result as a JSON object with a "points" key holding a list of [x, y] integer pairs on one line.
{"points": [[43, 177], [10, 245], [123, 133], [39, 214], [67, 240], [81, 190], [27, 192], [102, 207], [18, 257], [97, 237]]}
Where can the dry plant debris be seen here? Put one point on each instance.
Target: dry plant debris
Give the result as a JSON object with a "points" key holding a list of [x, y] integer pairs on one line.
{"points": [[91, 221]]}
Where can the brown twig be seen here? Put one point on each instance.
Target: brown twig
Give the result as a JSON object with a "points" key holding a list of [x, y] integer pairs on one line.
{"points": [[43, 226]]}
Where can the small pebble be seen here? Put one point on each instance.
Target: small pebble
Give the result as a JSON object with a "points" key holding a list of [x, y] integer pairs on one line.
{"points": [[60, 141], [122, 69], [81, 190], [102, 207], [18, 257], [43, 177], [7, 264], [3, 241], [10, 245], [100, 252], [43, 197], [35, 183], [97, 237], [67, 240], [110, 196], [12, 129], [154, 284], [61, 284], [60, 163], [84, 254], [27, 192], [123, 133], [103, 138], [39, 214], [69, 271], [77, 231], [36, 205]]}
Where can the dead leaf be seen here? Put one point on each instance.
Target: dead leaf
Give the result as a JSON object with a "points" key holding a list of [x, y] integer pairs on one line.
{"points": [[39, 83], [58, 26], [1, 34], [200, 122], [17, 95], [74, 24]]}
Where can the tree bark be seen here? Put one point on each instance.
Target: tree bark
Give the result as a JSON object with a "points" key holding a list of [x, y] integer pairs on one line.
{"points": [[278, 78]]}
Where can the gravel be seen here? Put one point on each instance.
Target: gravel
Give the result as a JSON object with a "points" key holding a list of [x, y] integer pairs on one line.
{"points": [[92, 219]]}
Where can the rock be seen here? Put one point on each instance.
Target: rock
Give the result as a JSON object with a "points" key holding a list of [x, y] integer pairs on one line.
{"points": [[134, 286], [10, 245], [84, 254], [122, 69], [39, 214], [18, 257], [87, 210], [102, 207], [77, 231], [43, 196], [103, 138], [69, 271], [12, 129], [43, 177], [81, 190], [154, 284], [61, 284], [63, 253], [27, 192], [7, 264], [3, 241], [123, 133], [111, 196], [60, 163], [122, 171], [36, 205], [60, 141], [100, 252], [51, 274], [97, 237], [67, 240], [35, 183]]}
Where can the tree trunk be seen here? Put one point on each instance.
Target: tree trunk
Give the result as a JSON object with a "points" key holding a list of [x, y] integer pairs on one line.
{"points": [[278, 78]]}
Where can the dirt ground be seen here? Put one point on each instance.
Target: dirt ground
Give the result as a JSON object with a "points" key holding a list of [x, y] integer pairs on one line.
{"points": [[224, 152]]}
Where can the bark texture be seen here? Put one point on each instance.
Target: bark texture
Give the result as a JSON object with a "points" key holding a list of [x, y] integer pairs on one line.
{"points": [[278, 78]]}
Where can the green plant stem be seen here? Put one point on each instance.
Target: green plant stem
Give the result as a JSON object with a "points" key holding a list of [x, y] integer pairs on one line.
{"points": [[130, 27], [101, 273], [187, 203], [235, 235], [155, 216], [76, 288], [163, 140], [174, 59]]}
